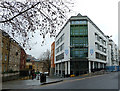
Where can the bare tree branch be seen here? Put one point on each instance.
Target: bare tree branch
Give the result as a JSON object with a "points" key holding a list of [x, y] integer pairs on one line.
{"points": [[25, 18]]}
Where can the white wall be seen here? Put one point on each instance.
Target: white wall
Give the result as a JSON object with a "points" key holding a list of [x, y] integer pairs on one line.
{"points": [[66, 41], [91, 43]]}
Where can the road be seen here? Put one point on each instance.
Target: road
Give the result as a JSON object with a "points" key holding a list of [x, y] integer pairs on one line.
{"points": [[106, 81]]}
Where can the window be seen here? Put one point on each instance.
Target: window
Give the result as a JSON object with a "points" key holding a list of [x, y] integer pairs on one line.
{"points": [[59, 57], [2, 44], [79, 41], [60, 40], [104, 42], [6, 57], [97, 55], [63, 46], [98, 38], [79, 52], [96, 45], [104, 50], [57, 50], [100, 56], [79, 22]]}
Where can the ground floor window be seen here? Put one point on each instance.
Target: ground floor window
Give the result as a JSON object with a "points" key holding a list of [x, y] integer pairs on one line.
{"points": [[78, 67]]}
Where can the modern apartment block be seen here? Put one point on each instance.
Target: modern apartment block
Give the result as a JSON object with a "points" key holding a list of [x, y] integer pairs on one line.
{"points": [[113, 53], [80, 47]]}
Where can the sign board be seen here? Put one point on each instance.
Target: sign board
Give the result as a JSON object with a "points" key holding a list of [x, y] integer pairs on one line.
{"points": [[91, 51], [66, 52]]}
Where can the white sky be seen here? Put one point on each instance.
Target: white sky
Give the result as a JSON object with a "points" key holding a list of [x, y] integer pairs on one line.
{"points": [[104, 13]]}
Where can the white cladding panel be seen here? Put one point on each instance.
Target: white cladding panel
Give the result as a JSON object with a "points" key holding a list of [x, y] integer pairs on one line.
{"points": [[66, 41], [91, 43]]}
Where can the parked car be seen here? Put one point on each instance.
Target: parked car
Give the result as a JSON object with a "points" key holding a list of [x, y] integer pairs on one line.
{"points": [[46, 73]]}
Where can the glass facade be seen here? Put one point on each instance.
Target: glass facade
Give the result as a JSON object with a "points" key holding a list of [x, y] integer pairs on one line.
{"points": [[79, 39]]}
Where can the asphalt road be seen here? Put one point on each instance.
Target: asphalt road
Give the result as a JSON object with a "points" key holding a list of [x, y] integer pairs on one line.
{"points": [[106, 81]]}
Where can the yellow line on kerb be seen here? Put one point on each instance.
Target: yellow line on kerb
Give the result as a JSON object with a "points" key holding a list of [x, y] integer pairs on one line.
{"points": [[82, 78]]}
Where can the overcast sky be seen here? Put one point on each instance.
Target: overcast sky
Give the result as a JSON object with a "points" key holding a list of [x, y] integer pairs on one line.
{"points": [[104, 13]]}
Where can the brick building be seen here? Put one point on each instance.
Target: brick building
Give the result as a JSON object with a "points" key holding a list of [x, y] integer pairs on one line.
{"points": [[5, 50], [52, 69], [14, 56], [22, 59]]}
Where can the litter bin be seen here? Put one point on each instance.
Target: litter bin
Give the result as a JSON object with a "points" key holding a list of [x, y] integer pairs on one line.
{"points": [[42, 78]]}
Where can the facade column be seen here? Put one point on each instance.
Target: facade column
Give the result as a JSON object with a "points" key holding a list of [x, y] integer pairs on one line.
{"points": [[55, 69], [93, 65], [98, 65], [61, 68], [58, 68], [65, 68], [89, 67], [68, 67], [103, 65]]}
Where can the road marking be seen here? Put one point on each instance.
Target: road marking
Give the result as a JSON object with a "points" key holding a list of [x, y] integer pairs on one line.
{"points": [[71, 80]]}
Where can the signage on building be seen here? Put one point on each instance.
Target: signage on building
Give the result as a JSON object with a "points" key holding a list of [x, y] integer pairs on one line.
{"points": [[66, 52], [91, 51]]}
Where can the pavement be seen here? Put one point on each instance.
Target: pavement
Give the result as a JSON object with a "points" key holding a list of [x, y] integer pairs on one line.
{"points": [[24, 84]]}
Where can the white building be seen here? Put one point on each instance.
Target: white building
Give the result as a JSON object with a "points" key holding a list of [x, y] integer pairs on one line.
{"points": [[112, 53], [80, 47]]}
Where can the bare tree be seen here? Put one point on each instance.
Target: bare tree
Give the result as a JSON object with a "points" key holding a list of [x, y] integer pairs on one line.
{"points": [[45, 57], [24, 18]]}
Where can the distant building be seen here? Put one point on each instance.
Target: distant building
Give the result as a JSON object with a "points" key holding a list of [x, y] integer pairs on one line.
{"points": [[29, 63], [36, 64], [52, 69], [113, 55], [119, 57], [40, 66], [22, 59]]}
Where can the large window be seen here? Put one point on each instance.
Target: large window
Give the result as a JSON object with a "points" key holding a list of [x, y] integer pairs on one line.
{"points": [[100, 56], [60, 48], [79, 41], [79, 22], [77, 30], [79, 52], [60, 40], [59, 57]]}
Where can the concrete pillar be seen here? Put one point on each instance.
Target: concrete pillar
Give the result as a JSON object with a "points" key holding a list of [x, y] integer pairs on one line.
{"points": [[98, 65], [93, 65], [65, 68], [58, 67], [61, 69], [89, 67], [55, 69], [69, 67], [103, 65]]}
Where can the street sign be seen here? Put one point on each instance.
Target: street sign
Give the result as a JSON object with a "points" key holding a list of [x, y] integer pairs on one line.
{"points": [[91, 51], [66, 52]]}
